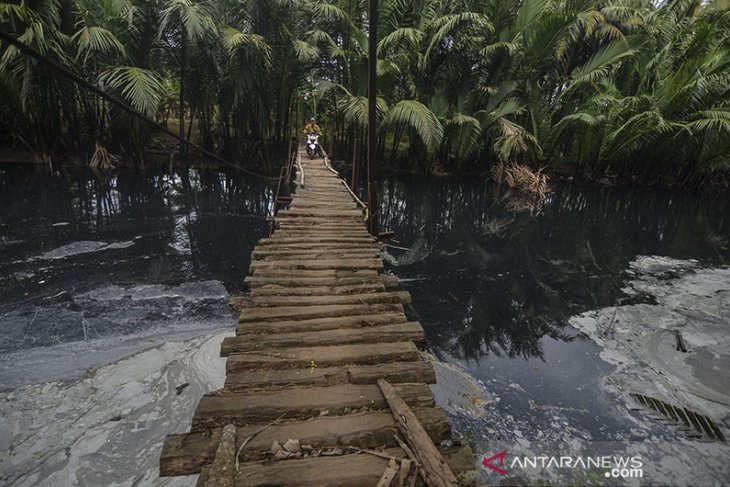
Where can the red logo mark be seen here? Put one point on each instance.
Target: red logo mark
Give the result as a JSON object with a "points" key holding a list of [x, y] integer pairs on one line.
{"points": [[488, 463]]}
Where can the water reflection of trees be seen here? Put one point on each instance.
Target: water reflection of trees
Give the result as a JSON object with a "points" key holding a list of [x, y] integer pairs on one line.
{"points": [[494, 274], [217, 214]]}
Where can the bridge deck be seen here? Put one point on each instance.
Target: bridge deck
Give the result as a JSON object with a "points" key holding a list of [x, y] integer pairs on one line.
{"points": [[320, 326]]}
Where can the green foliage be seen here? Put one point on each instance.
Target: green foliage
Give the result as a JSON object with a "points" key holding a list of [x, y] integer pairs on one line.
{"points": [[628, 87]]}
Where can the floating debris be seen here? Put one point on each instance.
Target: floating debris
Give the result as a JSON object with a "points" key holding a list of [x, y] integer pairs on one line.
{"points": [[695, 423]]}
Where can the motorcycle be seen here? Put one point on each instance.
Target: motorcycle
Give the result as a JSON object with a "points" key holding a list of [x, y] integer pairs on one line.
{"points": [[313, 148]]}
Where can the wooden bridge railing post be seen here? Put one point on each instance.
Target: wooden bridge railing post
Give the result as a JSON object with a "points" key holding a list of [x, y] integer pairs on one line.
{"points": [[372, 119], [356, 166]]}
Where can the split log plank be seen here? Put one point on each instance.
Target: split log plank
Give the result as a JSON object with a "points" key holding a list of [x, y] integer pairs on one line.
{"points": [[326, 356], [400, 332], [249, 302], [282, 313], [278, 290], [317, 324], [328, 264], [186, 454], [396, 373], [215, 411], [436, 472]]}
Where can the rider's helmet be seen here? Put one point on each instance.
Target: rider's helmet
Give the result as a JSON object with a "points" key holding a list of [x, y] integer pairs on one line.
{"points": [[311, 120]]}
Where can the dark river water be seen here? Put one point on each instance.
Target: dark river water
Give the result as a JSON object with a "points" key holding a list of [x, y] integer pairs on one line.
{"points": [[494, 276]]}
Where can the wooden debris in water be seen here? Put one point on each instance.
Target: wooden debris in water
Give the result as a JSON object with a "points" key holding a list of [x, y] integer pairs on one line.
{"points": [[521, 177], [696, 424], [681, 345], [103, 159]]}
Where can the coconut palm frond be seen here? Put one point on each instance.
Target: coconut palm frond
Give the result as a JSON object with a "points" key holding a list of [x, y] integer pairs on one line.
{"points": [[635, 132], [193, 17], [416, 115], [140, 87], [253, 45], [410, 37], [305, 52], [599, 65], [355, 109], [514, 141], [447, 26], [97, 40], [464, 133]]}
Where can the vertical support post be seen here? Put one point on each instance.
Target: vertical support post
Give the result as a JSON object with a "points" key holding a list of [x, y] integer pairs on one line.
{"points": [[372, 128], [183, 68], [356, 166]]}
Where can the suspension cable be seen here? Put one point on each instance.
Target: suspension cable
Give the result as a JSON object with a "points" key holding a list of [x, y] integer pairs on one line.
{"points": [[119, 103]]}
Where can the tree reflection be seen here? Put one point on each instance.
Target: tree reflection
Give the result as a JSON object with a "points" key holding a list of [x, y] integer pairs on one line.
{"points": [[493, 274]]}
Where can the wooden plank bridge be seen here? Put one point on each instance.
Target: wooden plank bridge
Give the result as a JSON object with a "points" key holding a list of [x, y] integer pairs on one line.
{"points": [[301, 404]]}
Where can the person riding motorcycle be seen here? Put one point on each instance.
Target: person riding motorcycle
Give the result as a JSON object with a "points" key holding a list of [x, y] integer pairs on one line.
{"points": [[313, 128]]}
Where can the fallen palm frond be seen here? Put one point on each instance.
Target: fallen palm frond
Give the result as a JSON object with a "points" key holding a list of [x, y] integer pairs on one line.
{"points": [[694, 424], [521, 177], [103, 159]]}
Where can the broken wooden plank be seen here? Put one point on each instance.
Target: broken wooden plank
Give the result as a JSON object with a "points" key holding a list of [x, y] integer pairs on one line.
{"points": [[223, 469], [215, 411], [326, 356], [391, 470], [352, 470], [186, 454], [436, 472], [399, 332]]}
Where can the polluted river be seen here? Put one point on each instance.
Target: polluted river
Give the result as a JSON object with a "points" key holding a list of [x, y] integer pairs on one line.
{"points": [[595, 322]]}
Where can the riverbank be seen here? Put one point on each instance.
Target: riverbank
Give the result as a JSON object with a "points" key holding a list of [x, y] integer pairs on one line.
{"points": [[107, 428]]}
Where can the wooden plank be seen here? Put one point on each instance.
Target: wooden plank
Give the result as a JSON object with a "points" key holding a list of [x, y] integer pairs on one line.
{"points": [[303, 246], [396, 373], [187, 454], [324, 356], [278, 290], [223, 469], [312, 239], [400, 332], [306, 273], [302, 281], [215, 411], [318, 255], [354, 470], [319, 212], [248, 302], [328, 264], [389, 474], [317, 324], [434, 469], [293, 313]]}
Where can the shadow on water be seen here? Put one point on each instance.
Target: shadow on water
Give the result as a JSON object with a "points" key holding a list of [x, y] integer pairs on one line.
{"points": [[86, 255]]}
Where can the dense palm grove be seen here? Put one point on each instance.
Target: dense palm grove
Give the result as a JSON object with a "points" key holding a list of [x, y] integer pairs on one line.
{"points": [[633, 88]]}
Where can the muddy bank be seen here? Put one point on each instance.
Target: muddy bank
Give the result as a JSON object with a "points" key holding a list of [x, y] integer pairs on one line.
{"points": [[108, 428]]}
